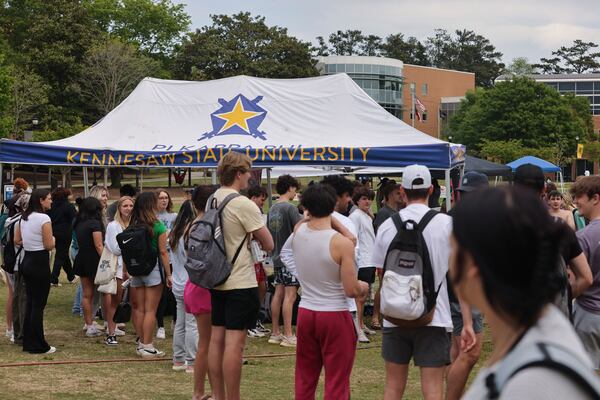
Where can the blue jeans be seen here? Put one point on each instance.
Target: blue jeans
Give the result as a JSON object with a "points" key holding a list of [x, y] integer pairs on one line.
{"points": [[77, 300]]}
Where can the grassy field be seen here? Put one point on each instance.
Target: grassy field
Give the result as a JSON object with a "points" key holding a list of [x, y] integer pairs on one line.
{"points": [[269, 373]]}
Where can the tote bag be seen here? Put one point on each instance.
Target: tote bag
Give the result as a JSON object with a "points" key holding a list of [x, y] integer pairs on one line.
{"points": [[107, 268]]}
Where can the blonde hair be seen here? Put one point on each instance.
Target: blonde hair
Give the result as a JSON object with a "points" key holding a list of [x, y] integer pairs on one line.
{"points": [[124, 224], [96, 191], [232, 163]]}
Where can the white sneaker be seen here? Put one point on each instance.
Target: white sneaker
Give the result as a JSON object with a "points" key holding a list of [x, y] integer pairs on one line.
{"points": [[362, 338], [9, 333], [288, 341], [161, 334], [119, 332], [368, 331], [276, 339], [51, 350], [254, 333], [95, 325], [92, 331], [152, 353], [179, 367]]}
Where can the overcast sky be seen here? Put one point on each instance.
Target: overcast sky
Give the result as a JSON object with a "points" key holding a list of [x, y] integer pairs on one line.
{"points": [[518, 28]]}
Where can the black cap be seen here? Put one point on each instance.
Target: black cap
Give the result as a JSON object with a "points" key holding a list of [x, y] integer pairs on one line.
{"points": [[531, 176], [473, 180]]}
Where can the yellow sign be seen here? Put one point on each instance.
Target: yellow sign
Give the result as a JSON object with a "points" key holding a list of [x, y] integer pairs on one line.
{"points": [[579, 151]]}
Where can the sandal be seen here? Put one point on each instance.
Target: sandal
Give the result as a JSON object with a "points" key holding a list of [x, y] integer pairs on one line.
{"points": [[375, 325], [206, 397]]}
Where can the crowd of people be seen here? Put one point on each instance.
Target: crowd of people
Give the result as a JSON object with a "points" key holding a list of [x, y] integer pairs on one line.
{"points": [[524, 257]]}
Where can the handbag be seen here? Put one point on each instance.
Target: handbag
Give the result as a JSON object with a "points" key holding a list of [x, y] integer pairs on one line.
{"points": [[107, 268], [123, 311], [109, 288]]}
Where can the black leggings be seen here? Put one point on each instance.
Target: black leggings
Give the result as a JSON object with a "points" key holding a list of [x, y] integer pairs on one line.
{"points": [[61, 259], [36, 271], [167, 306]]}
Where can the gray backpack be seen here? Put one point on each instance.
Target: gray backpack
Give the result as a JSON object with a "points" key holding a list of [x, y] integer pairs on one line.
{"points": [[207, 264]]}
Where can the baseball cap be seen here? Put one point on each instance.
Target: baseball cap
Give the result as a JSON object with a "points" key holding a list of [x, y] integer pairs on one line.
{"points": [[416, 177], [473, 180], [531, 176]]}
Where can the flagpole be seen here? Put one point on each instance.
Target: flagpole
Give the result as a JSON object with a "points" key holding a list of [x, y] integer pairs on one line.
{"points": [[439, 120], [412, 98]]}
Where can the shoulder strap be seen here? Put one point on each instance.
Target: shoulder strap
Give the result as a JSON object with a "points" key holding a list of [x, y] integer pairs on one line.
{"points": [[429, 215], [546, 355], [220, 209], [397, 219]]}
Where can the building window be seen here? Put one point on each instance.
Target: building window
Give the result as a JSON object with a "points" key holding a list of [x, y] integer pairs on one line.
{"points": [[424, 89], [424, 116]]}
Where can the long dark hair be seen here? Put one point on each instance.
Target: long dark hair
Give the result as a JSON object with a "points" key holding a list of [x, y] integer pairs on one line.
{"points": [[90, 208], [144, 210], [201, 194], [184, 218], [35, 204], [515, 243]]}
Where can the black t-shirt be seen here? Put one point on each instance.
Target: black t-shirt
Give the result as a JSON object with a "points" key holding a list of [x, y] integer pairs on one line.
{"points": [[84, 231]]}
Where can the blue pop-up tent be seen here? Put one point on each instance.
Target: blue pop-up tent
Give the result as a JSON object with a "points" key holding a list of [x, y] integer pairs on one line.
{"points": [[546, 166]]}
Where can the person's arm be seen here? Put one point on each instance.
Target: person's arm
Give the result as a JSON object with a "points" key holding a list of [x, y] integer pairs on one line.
{"points": [[342, 251], [467, 336], [98, 244], [47, 238], [263, 236], [164, 258], [582, 277], [111, 240], [339, 227], [570, 221]]}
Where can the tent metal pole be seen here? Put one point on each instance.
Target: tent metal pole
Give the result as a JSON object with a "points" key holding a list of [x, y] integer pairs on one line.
{"points": [[105, 177], [269, 187], [12, 172], [213, 176], [448, 188], [141, 179], [2, 180], [86, 189]]}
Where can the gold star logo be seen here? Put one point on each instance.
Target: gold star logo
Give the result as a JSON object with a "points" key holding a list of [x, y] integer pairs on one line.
{"points": [[238, 116]]}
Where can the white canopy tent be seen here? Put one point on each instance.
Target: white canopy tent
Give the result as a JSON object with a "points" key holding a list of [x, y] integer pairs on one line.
{"points": [[321, 121]]}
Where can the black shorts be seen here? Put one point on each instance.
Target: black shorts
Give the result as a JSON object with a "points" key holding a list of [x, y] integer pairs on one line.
{"points": [[235, 309], [429, 346], [366, 274]]}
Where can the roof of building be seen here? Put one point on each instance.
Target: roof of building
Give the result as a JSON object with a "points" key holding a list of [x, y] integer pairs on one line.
{"points": [[391, 62], [556, 77], [451, 99], [439, 69]]}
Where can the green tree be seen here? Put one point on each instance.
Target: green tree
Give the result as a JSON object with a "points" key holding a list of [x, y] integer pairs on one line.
{"points": [[346, 43], [5, 89], [112, 70], [465, 51], [520, 66], [156, 26], [578, 58], [409, 51], [370, 46], [28, 95], [242, 45], [526, 111]]}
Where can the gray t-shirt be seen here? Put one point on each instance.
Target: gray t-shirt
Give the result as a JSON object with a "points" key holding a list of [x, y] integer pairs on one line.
{"points": [[538, 382], [281, 221], [589, 239], [167, 218], [111, 210], [384, 213]]}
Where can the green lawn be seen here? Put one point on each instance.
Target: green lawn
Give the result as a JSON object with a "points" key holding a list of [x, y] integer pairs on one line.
{"points": [[263, 377]]}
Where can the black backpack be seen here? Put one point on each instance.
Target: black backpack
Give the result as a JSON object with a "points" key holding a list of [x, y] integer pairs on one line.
{"points": [[9, 254], [408, 292], [138, 255]]}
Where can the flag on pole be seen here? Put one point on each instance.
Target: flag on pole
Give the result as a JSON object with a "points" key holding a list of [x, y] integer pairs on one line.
{"points": [[418, 115], [579, 151], [420, 104]]}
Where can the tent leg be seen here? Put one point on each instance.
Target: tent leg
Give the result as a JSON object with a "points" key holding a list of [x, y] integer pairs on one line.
{"points": [[448, 189], [86, 189], [562, 183], [12, 172], [105, 177], [213, 176], [141, 179], [2, 180], [269, 187]]}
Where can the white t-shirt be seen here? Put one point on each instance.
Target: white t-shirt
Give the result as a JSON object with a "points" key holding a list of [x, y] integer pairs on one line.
{"points": [[366, 237], [31, 231], [537, 382], [180, 275], [110, 242], [437, 237]]}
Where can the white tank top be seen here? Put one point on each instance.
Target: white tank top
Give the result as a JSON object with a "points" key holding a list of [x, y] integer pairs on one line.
{"points": [[318, 274]]}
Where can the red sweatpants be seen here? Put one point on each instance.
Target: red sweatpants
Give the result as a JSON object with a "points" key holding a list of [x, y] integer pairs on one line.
{"points": [[324, 339]]}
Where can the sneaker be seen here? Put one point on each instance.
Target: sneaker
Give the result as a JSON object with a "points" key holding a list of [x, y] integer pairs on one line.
{"points": [[95, 325], [151, 353], [56, 284], [288, 341], [119, 332], [261, 328], [254, 333], [111, 341], [160, 333], [368, 331], [92, 331], [121, 325], [178, 367], [276, 339], [9, 333], [189, 369], [362, 338], [51, 350], [12, 338]]}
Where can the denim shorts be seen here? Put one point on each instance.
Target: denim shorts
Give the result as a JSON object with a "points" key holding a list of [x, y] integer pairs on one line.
{"points": [[457, 319], [152, 279]]}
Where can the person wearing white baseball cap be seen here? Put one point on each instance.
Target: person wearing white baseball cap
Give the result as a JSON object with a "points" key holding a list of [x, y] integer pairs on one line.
{"points": [[428, 345]]}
